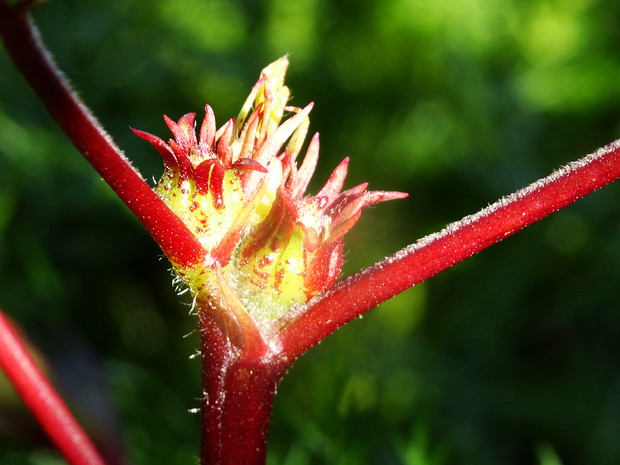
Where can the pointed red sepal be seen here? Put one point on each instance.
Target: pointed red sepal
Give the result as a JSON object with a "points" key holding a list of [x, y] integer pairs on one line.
{"points": [[216, 183], [347, 208], [186, 124], [334, 184], [296, 141], [164, 150], [186, 170], [248, 164], [202, 173], [269, 149], [335, 207], [374, 197], [248, 136], [224, 150], [209, 177], [183, 131], [298, 184], [208, 128]]}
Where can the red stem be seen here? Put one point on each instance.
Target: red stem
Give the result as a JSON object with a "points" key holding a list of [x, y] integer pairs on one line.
{"points": [[41, 398], [21, 40], [362, 291], [238, 390]]}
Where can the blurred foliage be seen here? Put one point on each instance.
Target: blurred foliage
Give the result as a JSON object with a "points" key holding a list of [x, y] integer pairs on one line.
{"points": [[510, 357]]}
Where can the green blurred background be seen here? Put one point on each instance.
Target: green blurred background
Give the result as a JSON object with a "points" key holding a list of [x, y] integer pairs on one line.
{"points": [[511, 357]]}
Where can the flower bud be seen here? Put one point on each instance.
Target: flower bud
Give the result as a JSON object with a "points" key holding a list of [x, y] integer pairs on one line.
{"points": [[239, 190]]}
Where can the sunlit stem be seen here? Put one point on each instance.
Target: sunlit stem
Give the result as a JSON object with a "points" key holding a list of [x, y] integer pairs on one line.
{"points": [[239, 385], [362, 291], [21, 40], [42, 399]]}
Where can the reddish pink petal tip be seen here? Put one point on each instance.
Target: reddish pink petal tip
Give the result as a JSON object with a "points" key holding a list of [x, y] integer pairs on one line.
{"points": [[248, 164], [374, 197]]}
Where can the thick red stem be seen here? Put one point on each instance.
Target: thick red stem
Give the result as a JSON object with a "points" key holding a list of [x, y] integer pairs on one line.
{"points": [[362, 291], [238, 390], [41, 398], [23, 44]]}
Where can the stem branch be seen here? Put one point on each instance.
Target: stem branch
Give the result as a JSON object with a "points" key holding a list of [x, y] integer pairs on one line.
{"points": [[22, 41], [355, 295]]}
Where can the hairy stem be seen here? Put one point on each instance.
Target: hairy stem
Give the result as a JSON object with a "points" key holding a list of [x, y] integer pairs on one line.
{"points": [[238, 389], [21, 40], [41, 398], [362, 291]]}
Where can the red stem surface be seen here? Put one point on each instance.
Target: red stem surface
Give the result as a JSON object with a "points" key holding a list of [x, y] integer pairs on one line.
{"points": [[23, 44], [41, 398], [238, 390], [366, 289]]}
